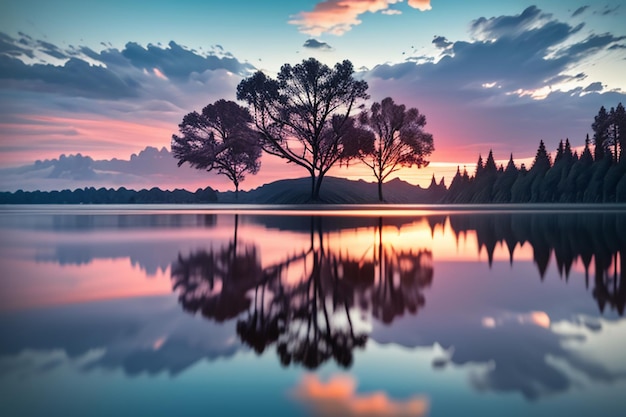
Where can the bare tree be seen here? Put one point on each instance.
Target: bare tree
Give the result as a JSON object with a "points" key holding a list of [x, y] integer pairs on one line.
{"points": [[219, 138], [398, 139], [303, 116]]}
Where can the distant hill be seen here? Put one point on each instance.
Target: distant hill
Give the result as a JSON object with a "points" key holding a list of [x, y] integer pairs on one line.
{"points": [[336, 191]]}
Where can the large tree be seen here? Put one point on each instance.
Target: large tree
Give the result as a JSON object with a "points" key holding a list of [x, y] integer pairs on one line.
{"points": [[220, 138], [303, 116], [397, 139]]}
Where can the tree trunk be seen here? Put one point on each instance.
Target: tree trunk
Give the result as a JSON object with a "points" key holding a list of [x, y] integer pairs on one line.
{"points": [[380, 190], [318, 186], [237, 191]]}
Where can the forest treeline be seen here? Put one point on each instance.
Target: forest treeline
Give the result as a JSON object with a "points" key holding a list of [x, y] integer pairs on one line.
{"points": [[110, 196], [598, 177], [569, 179]]}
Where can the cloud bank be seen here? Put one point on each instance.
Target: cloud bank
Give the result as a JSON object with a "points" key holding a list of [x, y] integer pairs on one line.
{"points": [[104, 103], [520, 78]]}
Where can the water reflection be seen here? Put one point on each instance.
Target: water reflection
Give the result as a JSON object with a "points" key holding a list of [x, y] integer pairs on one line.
{"points": [[357, 293], [597, 240], [314, 303], [306, 303]]}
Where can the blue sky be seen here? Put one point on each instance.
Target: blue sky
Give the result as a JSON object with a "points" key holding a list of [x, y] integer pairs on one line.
{"points": [[107, 79]]}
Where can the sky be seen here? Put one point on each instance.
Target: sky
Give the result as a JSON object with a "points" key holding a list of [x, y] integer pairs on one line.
{"points": [[108, 79]]}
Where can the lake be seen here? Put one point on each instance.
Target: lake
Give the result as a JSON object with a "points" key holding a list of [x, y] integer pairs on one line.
{"points": [[188, 310]]}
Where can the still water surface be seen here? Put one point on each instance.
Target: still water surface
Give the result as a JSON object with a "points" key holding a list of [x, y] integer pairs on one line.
{"points": [[118, 311]]}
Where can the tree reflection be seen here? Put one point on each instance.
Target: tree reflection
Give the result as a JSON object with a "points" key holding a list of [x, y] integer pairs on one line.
{"points": [[215, 282], [307, 304], [596, 240], [403, 275]]}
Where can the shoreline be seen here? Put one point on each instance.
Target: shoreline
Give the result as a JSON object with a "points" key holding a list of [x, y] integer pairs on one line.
{"points": [[315, 209]]}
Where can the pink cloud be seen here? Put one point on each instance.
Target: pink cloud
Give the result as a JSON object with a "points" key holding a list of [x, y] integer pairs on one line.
{"points": [[159, 74], [421, 5], [96, 137], [339, 16], [338, 397]]}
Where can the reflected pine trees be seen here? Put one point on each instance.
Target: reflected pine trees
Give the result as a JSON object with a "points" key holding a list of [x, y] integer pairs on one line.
{"points": [[597, 240]]}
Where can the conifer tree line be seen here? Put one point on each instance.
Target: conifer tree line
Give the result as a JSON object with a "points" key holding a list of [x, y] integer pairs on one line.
{"points": [[597, 175]]}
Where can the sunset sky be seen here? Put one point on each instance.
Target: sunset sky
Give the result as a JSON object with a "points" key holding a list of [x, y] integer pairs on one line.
{"points": [[107, 79]]}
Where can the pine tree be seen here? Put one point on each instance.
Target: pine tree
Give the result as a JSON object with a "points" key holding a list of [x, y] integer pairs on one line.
{"points": [[490, 165], [560, 151], [504, 183], [619, 123], [586, 158], [600, 128], [542, 161], [567, 152], [511, 165], [479, 166]]}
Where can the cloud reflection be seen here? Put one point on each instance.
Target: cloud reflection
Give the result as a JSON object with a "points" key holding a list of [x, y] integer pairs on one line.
{"points": [[338, 397]]}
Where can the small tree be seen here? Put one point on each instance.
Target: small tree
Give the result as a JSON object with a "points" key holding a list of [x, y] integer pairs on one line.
{"points": [[303, 116], [397, 139], [219, 138]]}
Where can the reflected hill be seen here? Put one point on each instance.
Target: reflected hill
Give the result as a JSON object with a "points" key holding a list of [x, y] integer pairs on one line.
{"points": [[598, 240], [313, 304]]}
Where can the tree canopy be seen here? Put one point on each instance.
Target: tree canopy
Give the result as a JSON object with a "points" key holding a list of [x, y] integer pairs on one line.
{"points": [[303, 116], [397, 139], [220, 138]]}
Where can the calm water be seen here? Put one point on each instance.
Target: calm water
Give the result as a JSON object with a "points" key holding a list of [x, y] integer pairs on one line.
{"points": [[117, 311]]}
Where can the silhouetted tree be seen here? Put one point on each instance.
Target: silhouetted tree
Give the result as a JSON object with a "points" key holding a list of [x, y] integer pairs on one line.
{"points": [[542, 162], [541, 165], [490, 164], [398, 139], [480, 166], [303, 116], [504, 183], [616, 131], [220, 138], [600, 128], [563, 166], [486, 176]]}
